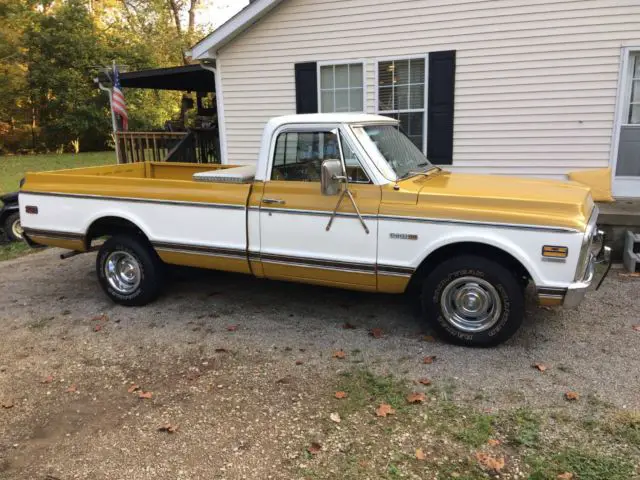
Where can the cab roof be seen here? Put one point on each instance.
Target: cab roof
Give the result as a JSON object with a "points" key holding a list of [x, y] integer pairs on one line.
{"points": [[315, 118]]}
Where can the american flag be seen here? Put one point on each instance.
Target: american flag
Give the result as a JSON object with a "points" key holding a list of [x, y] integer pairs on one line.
{"points": [[117, 100]]}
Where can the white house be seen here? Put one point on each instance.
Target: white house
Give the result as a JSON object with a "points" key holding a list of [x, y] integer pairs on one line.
{"points": [[513, 87]]}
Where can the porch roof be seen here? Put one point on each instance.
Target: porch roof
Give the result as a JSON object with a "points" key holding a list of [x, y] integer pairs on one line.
{"points": [[191, 78]]}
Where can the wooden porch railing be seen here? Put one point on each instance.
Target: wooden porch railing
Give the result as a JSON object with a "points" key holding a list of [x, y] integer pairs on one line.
{"points": [[146, 146], [198, 145]]}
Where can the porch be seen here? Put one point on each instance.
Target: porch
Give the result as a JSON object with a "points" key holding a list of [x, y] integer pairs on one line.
{"points": [[191, 141]]}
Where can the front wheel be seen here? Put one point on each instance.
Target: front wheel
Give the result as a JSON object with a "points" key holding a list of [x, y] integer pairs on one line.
{"points": [[473, 301], [129, 270], [12, 227]]}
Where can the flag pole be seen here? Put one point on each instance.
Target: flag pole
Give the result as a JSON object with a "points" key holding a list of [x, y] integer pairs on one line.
{"points": [[114, 122]]}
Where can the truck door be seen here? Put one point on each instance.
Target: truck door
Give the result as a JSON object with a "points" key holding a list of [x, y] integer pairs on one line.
{"points": [[295, 242]]}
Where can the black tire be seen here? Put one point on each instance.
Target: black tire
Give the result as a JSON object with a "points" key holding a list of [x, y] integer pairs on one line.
{"points": [[485, 279], [12, 227], [148, 270]]}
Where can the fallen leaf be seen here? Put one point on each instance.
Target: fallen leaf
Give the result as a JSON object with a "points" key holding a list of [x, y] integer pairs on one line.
{"points": [[72, 388], [565, 476], [488, 462], [339, 354], [429, 359], [335, 417], [636, 328], [168, 427], [97, 328], [315, 448], [420, 454], [376, 332], [632, 274], [145, 395], [299, 362], [540, 366], [424, 381], [348, 326], [416, 397], [384, 409], [133, 388], [494, 442], [341, 395], [232, 328], [101, 318], [570, 396], [428, 338], [48, 379], [7, 404]]}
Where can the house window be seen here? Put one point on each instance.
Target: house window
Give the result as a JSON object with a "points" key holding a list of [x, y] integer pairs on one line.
{"points": [[401, 95], [342, 88], [634, 100]]}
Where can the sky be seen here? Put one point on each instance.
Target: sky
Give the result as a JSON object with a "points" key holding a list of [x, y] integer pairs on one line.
{"points": [[219, 11]]}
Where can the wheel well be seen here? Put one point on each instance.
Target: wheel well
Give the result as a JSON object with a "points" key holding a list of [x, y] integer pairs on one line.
{"points": [[481, 249], [110, 226]]}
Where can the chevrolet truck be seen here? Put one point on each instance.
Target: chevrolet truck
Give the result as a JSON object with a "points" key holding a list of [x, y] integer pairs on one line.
{"points": [[341, 200]]}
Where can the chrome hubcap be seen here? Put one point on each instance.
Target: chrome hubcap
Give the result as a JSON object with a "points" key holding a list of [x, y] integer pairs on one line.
{"points": [[17, 229], [471, 304], [123, 272]]}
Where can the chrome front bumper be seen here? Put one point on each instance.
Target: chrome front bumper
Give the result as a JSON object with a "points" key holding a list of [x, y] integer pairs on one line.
{"points": [[597, 271]]}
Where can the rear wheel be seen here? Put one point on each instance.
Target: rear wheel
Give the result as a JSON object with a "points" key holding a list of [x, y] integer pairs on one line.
{"points": [[474, 301], [12, 227], [129, 270]]}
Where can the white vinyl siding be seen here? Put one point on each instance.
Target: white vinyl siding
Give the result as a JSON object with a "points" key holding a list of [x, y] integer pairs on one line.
{"points": [[536, 80]]}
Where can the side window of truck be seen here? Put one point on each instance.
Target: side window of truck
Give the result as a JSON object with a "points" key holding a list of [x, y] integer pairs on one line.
{"points": [[298, 157]]}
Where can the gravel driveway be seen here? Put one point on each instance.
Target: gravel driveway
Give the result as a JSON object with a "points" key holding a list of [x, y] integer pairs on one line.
{"points": [[245, 369]]}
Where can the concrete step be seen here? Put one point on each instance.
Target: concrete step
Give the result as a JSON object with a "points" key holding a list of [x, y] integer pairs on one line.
{"points": [[631, 255]]}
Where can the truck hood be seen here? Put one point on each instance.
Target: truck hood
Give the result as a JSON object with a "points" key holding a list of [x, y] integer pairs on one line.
{"points": [[497, 199]]}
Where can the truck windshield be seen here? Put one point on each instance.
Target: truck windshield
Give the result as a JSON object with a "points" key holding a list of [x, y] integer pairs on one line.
{"points": [[395, 148]]}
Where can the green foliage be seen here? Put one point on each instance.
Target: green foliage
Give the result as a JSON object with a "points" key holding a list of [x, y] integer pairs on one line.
{"points": [[51, 51], [477, 430], [584, 465]]}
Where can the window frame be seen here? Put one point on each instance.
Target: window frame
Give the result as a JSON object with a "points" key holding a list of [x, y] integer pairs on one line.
{"points": [[630, 64], [337, 63], [425, 108], [315, 128]]}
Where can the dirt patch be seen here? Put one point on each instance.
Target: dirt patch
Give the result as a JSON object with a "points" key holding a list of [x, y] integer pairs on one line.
{"points": [[248, 402]]}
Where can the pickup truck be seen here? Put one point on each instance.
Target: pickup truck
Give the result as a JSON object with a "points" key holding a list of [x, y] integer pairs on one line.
{"points": [[340, 200]]}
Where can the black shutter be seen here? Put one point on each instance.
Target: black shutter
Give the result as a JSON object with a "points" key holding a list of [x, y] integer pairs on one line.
{"points": [[306, 88], [442, 80]]}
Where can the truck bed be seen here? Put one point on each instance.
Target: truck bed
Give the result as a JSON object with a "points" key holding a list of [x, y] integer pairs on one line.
{"points": [[182, 218]]}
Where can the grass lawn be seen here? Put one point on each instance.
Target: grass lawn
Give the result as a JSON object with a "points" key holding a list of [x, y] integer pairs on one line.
{"points": [[13, 168]]}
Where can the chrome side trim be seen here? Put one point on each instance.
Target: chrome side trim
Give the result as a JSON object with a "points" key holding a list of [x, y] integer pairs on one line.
{"points": [[137, 200], [441, 221], [201, 250], [316, 213], [34, 232], [473, 223]]}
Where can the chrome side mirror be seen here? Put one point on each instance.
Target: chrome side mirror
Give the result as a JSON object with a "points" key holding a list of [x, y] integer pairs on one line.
{"points": [[331, 176]]}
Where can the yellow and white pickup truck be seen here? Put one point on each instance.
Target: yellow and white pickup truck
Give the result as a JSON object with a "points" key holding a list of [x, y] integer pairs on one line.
{"points": [[340, 200]]}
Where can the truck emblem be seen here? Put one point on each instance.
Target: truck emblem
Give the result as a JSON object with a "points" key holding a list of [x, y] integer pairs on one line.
{"points": [[403, 236]]}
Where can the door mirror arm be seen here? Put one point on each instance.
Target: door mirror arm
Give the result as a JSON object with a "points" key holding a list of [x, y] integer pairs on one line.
{"points": [[330, 183]]}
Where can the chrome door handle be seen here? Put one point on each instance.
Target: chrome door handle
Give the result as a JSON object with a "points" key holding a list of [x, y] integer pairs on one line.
{"points": [[273, 201]]}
